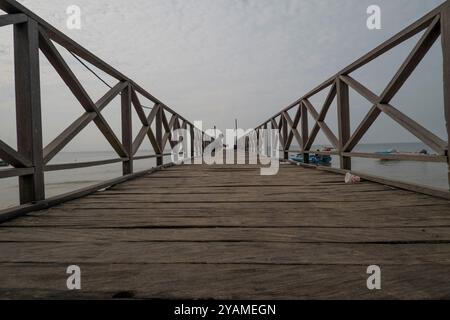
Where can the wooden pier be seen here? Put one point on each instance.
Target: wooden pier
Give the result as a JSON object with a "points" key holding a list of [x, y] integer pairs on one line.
{"points": [[221, 231]]}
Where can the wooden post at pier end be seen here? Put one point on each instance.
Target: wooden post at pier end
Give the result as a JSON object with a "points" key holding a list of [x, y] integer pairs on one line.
{"points": [[192, 136], [284, 128], [304, 131], [127, 130], [445, 37], [159, 135], [28, 108], [266, 141], [343, 105]]}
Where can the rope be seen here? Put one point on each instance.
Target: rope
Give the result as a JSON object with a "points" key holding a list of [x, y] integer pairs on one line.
{"points": [[97, 76]]}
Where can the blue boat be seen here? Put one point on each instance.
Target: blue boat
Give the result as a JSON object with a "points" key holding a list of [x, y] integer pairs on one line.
{"points": [[316, 159]]}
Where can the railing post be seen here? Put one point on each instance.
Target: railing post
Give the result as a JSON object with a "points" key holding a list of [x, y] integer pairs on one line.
{"points": [[127, 130], [192, 132], [343, 104], [28, 108], [304, 130], [445, 36], [159, 135], [266, 140], [272, 151], [284, 128]]}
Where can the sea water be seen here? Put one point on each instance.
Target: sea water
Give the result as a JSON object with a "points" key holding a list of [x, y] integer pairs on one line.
{"points": [[58, 182]]}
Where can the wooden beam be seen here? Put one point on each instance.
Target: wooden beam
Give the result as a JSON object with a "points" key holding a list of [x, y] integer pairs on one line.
{"points": [[407, 33], [154, 142], [147, 131], [312, 136], [274, 124], [361, 89], [362, 128], [28, 109], [15, 172], [7, 19], [305, 130], [13, 157], [343, 105], [326, 106], [159, 134], [138, 107], [426, 136], [79, 124], [394, 41], [57, 144], [110, 95], [192, 136], [294, 130], [78, 165], [295, 124], [445, 36], [412, 61], [326, 130], [11, 6], [150, 156], [61, 67], [169, 126], [284, 129], [328, 101], [139, 139], [127, 130], [408, 66]]}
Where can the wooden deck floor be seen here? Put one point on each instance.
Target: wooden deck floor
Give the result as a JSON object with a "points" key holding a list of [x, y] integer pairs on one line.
{"points": [[226, 232]]}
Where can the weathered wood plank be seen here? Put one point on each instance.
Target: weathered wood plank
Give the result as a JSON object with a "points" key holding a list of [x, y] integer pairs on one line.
{"points": [[241, 234], [213, 281], [188, 218], [226, 252]]}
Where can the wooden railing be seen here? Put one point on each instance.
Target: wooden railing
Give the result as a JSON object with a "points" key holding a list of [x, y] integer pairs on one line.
{"points": [[33, 35], [435, 24]]}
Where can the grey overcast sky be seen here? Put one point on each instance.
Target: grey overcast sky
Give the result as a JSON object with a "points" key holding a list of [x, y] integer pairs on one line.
{"points": [[217, 60]]}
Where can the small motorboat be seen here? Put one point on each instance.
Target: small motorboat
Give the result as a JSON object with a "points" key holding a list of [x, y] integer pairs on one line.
{"points": [[317, 159]]}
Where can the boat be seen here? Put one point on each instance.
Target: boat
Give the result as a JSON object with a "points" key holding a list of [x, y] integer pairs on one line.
{"points": [[317, 159], [395, 152]]}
